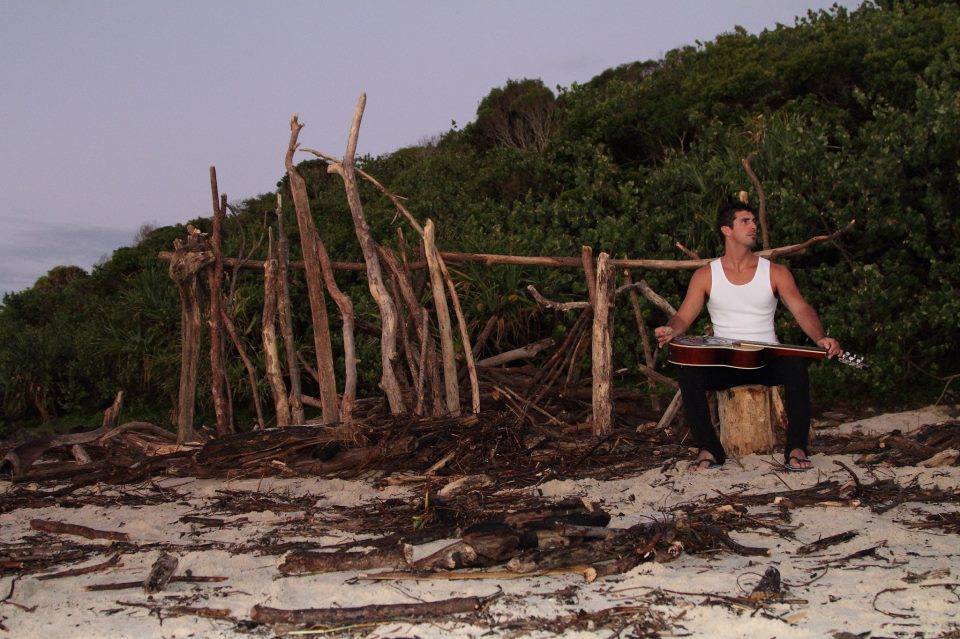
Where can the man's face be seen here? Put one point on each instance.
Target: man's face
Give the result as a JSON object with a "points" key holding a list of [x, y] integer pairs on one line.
{"points": [[744, 229]]}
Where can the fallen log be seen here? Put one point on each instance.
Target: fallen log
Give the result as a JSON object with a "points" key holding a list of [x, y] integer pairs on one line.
{"points": [[379, 612], [307, 562], [63, 528], [589, 574]]}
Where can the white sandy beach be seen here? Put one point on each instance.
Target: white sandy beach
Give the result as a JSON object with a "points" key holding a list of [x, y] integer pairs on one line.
{"points": [[907, 589]]}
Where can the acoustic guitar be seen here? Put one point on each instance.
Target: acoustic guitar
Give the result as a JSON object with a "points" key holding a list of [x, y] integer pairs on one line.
{"points": [[707, 350]]}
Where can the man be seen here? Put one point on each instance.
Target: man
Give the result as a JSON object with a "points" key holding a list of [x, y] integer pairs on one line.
{"points": [[740, 290]]}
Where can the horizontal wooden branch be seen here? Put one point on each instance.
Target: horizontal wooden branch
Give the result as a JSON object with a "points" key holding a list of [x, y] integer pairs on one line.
{"points": [[523, 352], [490, 259]]}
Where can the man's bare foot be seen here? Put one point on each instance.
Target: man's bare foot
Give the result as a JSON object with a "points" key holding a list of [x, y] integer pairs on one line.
{"points": [[705, 460], [797, 460]]}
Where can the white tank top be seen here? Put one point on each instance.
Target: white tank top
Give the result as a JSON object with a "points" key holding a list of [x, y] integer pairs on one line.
{"points": [[742, 311]]}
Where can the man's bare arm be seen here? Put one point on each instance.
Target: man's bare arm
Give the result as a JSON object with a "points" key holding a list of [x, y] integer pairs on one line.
{"points": [[786, 287], [690, 308]]}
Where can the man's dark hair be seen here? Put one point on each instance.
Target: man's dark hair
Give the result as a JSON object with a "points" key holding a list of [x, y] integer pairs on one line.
{"points": [[728, 213]]}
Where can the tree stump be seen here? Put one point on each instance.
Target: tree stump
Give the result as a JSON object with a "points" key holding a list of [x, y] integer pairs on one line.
{"points": [[746, 420]]}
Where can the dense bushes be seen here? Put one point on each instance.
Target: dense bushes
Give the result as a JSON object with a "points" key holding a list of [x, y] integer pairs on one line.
{"points": [[850, 115]]}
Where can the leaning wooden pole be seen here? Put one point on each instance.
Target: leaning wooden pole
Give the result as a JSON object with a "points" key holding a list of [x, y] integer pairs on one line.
{"points": [[318, 304], [602, 347], [427, 364], [271, 355], [648, 356], [443, 320], [345, 305], [285, 315], [218, 372], [464, 338], [388, 311], [228, 323]]}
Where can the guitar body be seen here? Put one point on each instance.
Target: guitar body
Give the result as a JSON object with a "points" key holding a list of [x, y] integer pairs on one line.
{"points": [[720, 351]]}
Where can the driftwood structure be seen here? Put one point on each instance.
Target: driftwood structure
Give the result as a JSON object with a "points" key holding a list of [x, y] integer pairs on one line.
{"points": [[418, 375]]}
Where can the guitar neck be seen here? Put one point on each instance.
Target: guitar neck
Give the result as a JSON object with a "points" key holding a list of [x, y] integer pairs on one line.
{"points": [[813, 352]]}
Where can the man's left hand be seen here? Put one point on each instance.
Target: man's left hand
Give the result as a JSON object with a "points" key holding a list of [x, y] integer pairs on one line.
{"points": [[832, 346]]}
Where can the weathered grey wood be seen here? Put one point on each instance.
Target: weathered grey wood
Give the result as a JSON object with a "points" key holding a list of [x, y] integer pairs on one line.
{"points": [[464, 338], [285, 316], [271, 356], [347, 321], [318, 304], [247, 364], [218, 371], [385, 303], [188, 259], [443, 320], [602, 347]]}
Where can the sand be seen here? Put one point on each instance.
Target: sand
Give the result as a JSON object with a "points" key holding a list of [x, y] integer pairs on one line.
{"points": [[847, 598]]}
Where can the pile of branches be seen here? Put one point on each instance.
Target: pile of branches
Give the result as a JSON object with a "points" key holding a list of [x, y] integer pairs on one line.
{"points": [[932, 445], [517, 439]]}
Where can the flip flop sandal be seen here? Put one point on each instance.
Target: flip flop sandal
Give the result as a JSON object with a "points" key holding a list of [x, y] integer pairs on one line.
{"points": [[795, 469]]}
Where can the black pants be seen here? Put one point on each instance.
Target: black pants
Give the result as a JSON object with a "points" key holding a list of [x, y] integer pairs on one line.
{"points": [[789, 372]]}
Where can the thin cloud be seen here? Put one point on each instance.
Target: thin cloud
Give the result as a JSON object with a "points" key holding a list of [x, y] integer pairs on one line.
{"points": [[30, 247]]}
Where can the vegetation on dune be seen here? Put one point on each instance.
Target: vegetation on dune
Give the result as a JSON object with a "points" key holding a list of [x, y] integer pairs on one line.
{"points": [[848, 115]]}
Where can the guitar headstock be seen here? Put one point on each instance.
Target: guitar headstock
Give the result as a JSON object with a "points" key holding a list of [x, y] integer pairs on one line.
{"points": [[857, 361]]}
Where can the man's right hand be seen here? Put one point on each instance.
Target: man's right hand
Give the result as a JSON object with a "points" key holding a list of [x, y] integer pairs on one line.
{"points": [[664, 335]]}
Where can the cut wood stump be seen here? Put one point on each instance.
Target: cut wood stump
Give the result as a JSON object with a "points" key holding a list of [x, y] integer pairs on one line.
{"points": [[746, 420]]}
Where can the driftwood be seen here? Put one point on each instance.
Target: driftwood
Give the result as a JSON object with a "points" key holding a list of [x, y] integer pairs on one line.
{"points": [[493, 259], [388, 311], [271, 356], [63, 528], [306, 562], [247, 364], [20, 458], [86, 570], [187, 261], [586, 260], [464, 338], [671, 411], [443, 321], [602, 346], [524, 352], [345, 305], [826, 542], [420, 319], [218, 371], [285, 316], [465, 484], [380, 612], [182, 579], [311, 264], [644, 333]]}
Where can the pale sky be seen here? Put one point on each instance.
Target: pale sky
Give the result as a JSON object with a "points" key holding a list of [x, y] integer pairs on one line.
{"points": [[112, 112]]}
